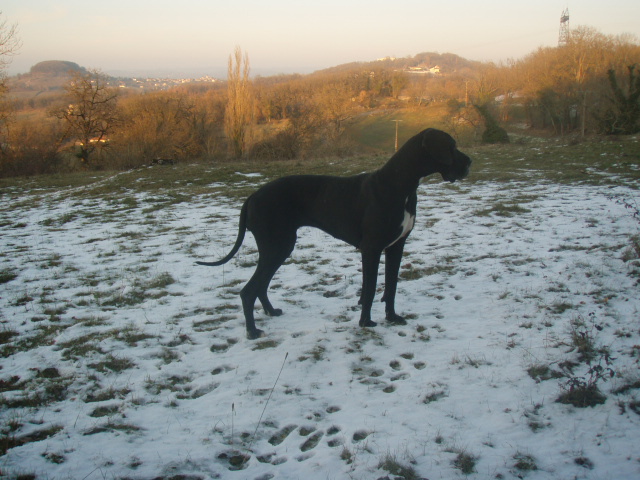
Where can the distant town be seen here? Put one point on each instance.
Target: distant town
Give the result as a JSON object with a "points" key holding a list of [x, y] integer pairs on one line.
{"points": [[157, 83]]}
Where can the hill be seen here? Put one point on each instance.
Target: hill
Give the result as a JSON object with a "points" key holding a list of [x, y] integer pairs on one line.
{"points": [[56, 68], [448, 63], [47, 76]]}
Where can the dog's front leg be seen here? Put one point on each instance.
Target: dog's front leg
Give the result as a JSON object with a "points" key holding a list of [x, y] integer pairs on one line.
{"points": [[370, 263], [393, 258]]}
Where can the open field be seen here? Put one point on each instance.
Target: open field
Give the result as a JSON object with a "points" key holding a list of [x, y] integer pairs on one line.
{"points": [[121, 359]]}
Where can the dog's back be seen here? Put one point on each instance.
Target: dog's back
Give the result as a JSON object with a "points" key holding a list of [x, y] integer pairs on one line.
{"points": [[325, 202]]}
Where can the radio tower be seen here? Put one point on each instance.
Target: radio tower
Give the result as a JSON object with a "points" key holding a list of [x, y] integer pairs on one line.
{"points": [[565, 32]]}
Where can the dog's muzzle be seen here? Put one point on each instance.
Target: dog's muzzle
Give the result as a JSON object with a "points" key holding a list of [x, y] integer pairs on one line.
{"points": [[459, 169]]}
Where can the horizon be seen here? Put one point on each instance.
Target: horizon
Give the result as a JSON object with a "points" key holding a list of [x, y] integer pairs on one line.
{"points": [[135, 39], [217, 72]]}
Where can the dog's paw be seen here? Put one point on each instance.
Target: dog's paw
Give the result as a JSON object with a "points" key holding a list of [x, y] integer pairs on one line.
{"points": [[273, 312], [395, 319], [255, 334], [367, 323]]}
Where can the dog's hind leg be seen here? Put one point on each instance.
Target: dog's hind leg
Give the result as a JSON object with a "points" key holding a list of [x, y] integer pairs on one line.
{"points": [[272, 254], [393, 258], [268, 308]]}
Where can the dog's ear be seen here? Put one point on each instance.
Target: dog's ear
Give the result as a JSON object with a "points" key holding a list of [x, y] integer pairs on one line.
{"points": [[439, 145]]}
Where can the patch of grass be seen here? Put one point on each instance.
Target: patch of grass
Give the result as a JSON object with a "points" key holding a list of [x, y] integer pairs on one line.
{"points": [[139, 291], [559, 307], [524, 462], [582, 396], [627, 386], [632, 252], [93, 321], [264, 344], [581, 390], [410, 271], [59, 221], [6, 335], [167, 355], [347, 456], [583, 462], [132, 334], [104, 411], [113, 427], [634, 405], [23, 300], [316, 353], [540, 373], [9, 442], [502, 210], [133, 297], [131, 235], [174, 383], [7, 275], [391, 464], [162, 280], [81, 347], [56, 458], [583, 335], [52, 261], [107, 394], [465, 462], [112, 364], [211, 324]]}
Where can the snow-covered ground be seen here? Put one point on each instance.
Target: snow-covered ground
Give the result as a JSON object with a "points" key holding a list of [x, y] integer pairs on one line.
{"points": [[122, 359]]}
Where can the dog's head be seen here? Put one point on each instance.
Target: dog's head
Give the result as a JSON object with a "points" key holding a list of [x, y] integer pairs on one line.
{"points": [[444, 156]]}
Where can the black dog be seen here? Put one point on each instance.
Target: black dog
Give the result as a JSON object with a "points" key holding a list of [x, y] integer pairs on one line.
{"points": [[374, 212]]}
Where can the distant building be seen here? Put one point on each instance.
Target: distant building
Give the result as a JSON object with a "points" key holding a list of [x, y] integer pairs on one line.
{"points": [[424, 70]]}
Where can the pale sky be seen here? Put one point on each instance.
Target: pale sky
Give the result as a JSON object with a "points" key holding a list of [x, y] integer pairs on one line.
{"points": [[291, 36]]}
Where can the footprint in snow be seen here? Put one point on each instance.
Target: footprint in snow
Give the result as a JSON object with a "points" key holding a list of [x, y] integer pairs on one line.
{"points": [[311, 442], [222, 369], [281, 435], [395, 365]]}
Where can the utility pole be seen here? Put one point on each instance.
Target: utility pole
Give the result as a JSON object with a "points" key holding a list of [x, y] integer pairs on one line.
{"points": [[396, 133]]}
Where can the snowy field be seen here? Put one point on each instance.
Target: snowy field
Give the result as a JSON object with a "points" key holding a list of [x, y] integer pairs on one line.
{"points": [[121, 359]]}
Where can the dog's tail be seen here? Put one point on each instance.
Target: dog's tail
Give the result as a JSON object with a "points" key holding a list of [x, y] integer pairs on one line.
{"points": [[242, 228]]}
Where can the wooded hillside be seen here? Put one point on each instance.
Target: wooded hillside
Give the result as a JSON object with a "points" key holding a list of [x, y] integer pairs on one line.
{"points": [[589, 86]]}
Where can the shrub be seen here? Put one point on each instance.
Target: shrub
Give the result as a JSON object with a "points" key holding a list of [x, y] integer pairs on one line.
{"points": [[493, 132]]}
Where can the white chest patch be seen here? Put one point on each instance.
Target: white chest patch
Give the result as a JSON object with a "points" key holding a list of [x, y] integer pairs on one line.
{"points": [[407, 226]]}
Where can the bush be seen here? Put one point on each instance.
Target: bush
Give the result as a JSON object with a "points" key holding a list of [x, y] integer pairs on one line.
{"points": [[31, 149], [493, 132], [623, 114], [282, 146]]}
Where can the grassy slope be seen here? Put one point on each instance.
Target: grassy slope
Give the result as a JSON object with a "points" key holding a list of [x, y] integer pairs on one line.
{"points": [[559, 160]]}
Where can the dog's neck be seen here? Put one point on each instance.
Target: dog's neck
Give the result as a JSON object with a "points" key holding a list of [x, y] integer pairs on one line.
{"points": [[406, 167]]}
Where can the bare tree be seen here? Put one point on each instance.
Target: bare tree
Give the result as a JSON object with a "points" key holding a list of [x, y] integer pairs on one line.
{"points": [[157, 125], [9, 45], [334, 99], [91, 114], [239, 109]]}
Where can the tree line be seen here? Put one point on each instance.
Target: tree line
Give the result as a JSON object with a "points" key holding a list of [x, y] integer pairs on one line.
{"points": [[591, 85]]}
